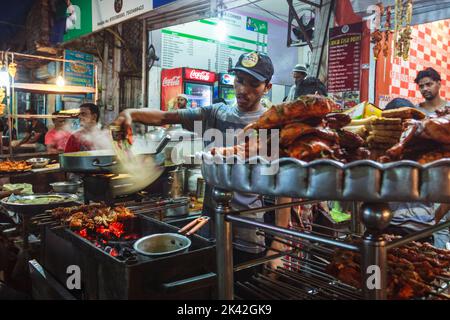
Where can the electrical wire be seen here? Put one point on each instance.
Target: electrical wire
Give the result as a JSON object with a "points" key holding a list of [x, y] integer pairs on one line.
{"points": [[267, 11]]}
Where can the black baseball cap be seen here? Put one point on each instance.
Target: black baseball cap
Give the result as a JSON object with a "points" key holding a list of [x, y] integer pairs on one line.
{"points": [[256, 64]]}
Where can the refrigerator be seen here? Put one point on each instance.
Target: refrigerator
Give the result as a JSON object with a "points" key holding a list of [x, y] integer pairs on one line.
{"points": [[196, 84], [226, 89]]}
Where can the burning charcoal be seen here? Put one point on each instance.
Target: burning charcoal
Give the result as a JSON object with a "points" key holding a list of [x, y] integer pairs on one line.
{"points": [[114, 252]]}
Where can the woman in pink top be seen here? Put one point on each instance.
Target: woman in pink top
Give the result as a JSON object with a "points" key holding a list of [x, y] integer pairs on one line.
{"points": [[56, 138]]}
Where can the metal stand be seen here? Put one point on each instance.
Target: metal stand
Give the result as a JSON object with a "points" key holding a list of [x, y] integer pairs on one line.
{"points": [[224, 245], [376, 217]]}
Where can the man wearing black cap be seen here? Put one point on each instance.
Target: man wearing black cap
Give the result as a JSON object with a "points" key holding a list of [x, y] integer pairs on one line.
{"points": [[253, 73]]}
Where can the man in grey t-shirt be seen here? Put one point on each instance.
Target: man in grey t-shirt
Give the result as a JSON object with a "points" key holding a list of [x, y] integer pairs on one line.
{"points": [[253, 72], [429, 82]]}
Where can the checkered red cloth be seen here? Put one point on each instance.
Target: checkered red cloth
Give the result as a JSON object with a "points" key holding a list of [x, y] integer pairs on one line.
{"points": [[430, 47]]}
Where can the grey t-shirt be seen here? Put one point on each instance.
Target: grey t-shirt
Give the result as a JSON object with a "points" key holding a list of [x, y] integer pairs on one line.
{"points": [[222, 117], [430, 113]]}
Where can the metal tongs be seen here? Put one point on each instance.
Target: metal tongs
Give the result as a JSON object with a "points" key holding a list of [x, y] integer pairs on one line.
{"points": [[194, 226]]}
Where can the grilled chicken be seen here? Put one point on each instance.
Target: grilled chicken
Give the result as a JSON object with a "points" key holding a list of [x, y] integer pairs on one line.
{"points": [[310, 106]]}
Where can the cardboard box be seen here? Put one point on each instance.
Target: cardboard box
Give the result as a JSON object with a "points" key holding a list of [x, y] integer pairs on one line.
{"points": [[363, 110]]}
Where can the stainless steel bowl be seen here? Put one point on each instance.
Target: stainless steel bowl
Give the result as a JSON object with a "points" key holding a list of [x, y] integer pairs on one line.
{"points": [[66, 186], [37, 163], [162, 244]]}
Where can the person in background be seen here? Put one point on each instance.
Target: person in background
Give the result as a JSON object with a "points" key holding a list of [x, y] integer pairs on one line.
{"points": [[182, 101], [429, 82], [298, 73], [399, 103], [35, 132], [310, 85], [56, 138], [89, 136], [4, 132]]}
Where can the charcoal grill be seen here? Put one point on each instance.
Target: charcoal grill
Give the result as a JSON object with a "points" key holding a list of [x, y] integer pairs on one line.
{"points": [[128, 275]]}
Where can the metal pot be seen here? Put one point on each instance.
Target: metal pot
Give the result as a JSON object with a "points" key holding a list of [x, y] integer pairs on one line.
{"points": [[192, 174], [161, 244], [173, 186], [66, 186], [182, 143], [37, 163], [156, 134], [103, 161], [180, 209]]}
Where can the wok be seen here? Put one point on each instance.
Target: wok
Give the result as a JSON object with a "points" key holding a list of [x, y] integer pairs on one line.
{"points": [[105, 161], [16, 203]]}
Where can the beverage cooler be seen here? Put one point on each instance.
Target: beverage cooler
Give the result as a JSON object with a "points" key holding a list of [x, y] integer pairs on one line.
{"points": [[197, 84], [226, 89]]}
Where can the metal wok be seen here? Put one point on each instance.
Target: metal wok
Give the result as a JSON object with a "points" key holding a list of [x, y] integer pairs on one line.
{"points": [[36, 203], [105, 161]]}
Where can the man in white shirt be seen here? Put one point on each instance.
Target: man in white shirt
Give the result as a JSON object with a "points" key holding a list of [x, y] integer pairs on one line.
{"points": [[298, 73]]}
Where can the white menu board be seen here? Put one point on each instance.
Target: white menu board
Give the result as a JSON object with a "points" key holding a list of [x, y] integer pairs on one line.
{"points": [[209, 44]]}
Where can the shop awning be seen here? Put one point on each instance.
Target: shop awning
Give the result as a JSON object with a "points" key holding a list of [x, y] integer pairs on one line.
{"points": [[424, 11]]}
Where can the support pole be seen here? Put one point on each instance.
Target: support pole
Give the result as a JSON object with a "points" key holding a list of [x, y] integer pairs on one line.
{"points": [[376, 217], [224, 245], [144, 88]]}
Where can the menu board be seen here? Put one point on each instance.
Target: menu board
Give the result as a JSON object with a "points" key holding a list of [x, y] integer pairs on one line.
{"points": [[344, 63], [78, 74], [210, 44]]}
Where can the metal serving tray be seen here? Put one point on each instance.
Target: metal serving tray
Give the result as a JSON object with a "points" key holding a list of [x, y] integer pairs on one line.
{"points": [[325, 179]]}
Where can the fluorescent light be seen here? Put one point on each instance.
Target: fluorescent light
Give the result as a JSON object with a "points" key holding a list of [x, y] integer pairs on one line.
{"points": [[60, 81], [222, 31], [4, 79]]}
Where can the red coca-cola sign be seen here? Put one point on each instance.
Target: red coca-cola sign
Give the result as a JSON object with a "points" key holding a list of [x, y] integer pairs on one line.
{"points": [[171, 82], [171, 87], [199, 75]]}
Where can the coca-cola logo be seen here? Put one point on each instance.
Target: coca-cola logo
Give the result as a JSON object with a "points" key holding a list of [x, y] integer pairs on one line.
{"points": [[171, 82], [199, 75]]}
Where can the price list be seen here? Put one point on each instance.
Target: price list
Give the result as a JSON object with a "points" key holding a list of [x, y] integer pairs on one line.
{"points": [[344, 58]]}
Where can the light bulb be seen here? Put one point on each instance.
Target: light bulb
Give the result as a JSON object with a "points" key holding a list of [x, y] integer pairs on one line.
{"points": [[4, 79], [60, 82]]}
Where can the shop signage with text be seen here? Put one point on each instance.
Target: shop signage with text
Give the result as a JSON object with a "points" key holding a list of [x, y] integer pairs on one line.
{"points": [[199, 75]]}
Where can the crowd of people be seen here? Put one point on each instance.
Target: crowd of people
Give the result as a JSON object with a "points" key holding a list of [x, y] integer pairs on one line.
{"points": [[61, 137]]}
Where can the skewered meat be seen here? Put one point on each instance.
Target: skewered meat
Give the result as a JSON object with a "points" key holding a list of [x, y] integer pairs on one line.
{"points": [[350, 140], [422, 133], [89, 216], [397, 150], [411, 268], [295, 130], [310, 106], [350, 155], [437, 129], [310, 148], [337, 120]]}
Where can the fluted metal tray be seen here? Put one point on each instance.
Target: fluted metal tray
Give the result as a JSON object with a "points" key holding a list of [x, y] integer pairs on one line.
{"points": [[325, 179]]}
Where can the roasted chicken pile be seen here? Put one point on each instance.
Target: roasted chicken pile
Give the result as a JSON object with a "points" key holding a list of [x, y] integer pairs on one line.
{"points": [[92, 216], [412, 269], [14, 166], [423, 140], [308, 130]]}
